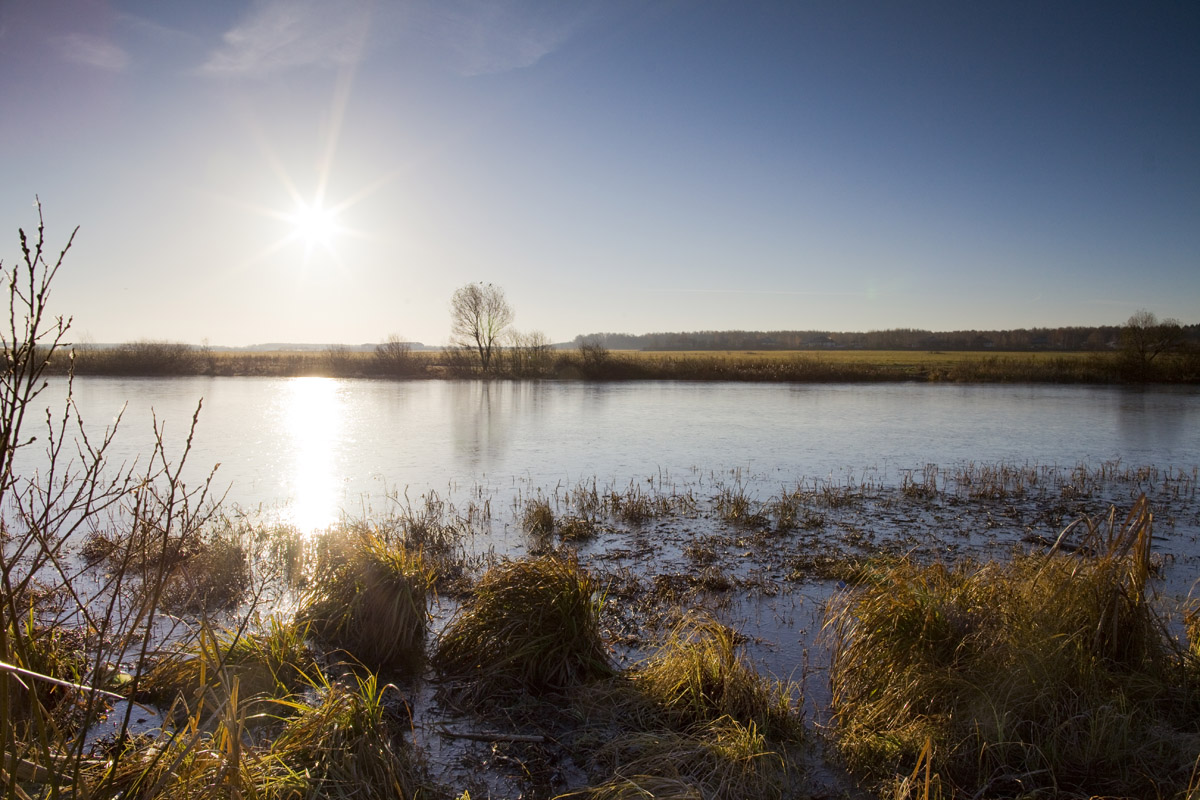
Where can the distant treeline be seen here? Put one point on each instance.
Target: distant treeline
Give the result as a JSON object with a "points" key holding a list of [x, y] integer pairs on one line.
{"points": [[1072, 339]]}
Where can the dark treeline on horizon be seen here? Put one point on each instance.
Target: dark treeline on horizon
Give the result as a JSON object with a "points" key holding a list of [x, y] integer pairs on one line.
{"points": [[1076, 338]]}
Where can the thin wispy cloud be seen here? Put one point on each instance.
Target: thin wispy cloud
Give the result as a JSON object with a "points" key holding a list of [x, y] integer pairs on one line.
{"points": [[284, 34], [91, 51], [489, 36]]}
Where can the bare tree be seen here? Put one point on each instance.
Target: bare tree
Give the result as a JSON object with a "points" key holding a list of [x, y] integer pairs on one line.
{"points": [[1145, 337], [479, 315]]}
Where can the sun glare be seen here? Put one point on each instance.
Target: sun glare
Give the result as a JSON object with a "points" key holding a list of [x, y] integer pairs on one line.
{"points": [[314, 224], [312, 415]]}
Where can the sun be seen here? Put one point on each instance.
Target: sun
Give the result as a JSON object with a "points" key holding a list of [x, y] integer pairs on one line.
{"points": [[314, 225]]}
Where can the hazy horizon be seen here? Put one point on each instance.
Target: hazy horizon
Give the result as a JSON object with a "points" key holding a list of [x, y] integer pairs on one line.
{"points": [[614, 166]]}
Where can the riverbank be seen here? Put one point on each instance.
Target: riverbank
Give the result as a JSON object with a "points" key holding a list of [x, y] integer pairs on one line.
{"points": [[696, 639], [812, 366]]}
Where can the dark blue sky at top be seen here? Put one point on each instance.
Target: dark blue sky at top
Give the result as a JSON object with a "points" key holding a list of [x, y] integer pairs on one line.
{"points": [[615, 166]]}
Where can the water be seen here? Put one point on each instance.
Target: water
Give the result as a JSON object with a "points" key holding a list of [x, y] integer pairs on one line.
{"points": [[317, 447]]}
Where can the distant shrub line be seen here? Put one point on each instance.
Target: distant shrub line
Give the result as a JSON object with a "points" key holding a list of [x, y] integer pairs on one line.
{"points": [[591, 362]]}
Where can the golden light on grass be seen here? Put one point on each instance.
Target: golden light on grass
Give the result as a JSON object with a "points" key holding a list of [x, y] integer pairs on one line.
{"points": [[1051, 673]]}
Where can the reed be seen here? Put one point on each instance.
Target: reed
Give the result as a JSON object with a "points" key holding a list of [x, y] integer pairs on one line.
{"points": [[532, 626], [337, 744]]}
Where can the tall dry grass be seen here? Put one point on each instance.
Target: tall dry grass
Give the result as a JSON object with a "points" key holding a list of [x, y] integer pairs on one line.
{"points": [[370, 599], [1050, 673]]}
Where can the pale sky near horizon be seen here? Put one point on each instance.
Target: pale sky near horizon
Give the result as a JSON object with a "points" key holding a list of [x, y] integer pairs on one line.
{"points": [[614, 165]]}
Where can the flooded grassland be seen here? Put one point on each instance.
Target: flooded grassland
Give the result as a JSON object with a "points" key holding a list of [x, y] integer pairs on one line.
{"points": [[670, 637], [574, 611]]}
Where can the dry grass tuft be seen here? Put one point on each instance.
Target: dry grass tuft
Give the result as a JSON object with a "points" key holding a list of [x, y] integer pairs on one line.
{"points": [[340, 746], [273, 663], [701, 675], [532, 626], [720, 759], [538, 518], [370, 600]]}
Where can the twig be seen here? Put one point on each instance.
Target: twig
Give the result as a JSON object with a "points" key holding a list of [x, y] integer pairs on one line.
{"points": [[493, 736]]}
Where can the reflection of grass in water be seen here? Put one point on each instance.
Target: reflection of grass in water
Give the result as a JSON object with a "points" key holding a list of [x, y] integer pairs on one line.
{"points": [[1048, 672]]}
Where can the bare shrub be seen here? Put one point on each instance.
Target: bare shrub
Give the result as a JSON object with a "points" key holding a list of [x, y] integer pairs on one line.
{"points": [[394, 358]]}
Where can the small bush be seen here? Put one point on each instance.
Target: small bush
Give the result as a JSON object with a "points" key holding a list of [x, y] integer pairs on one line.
{"points": [[394, 358]]}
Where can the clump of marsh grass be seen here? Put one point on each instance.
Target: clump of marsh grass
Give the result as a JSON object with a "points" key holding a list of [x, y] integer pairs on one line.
{"points": [[434, 526], [737, 508], [344, 748], [369, 599], [142, 549], [789, 512], [215, 578], [574, 528], [1049, 673], [721, 758], [273, 663], [56, 652], [538, 518], [533, 625], [538, 521], [702, 674], [199, 570], [338, 746]]}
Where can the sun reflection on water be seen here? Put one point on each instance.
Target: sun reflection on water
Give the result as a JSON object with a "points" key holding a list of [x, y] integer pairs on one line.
{"points": [[312, 418]]}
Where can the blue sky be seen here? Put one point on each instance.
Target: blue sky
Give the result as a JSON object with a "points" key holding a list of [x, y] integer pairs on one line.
{"points": [[613, 165]]}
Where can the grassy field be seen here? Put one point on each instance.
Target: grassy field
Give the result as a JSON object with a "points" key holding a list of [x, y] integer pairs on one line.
{"points": [[801, 366]]}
